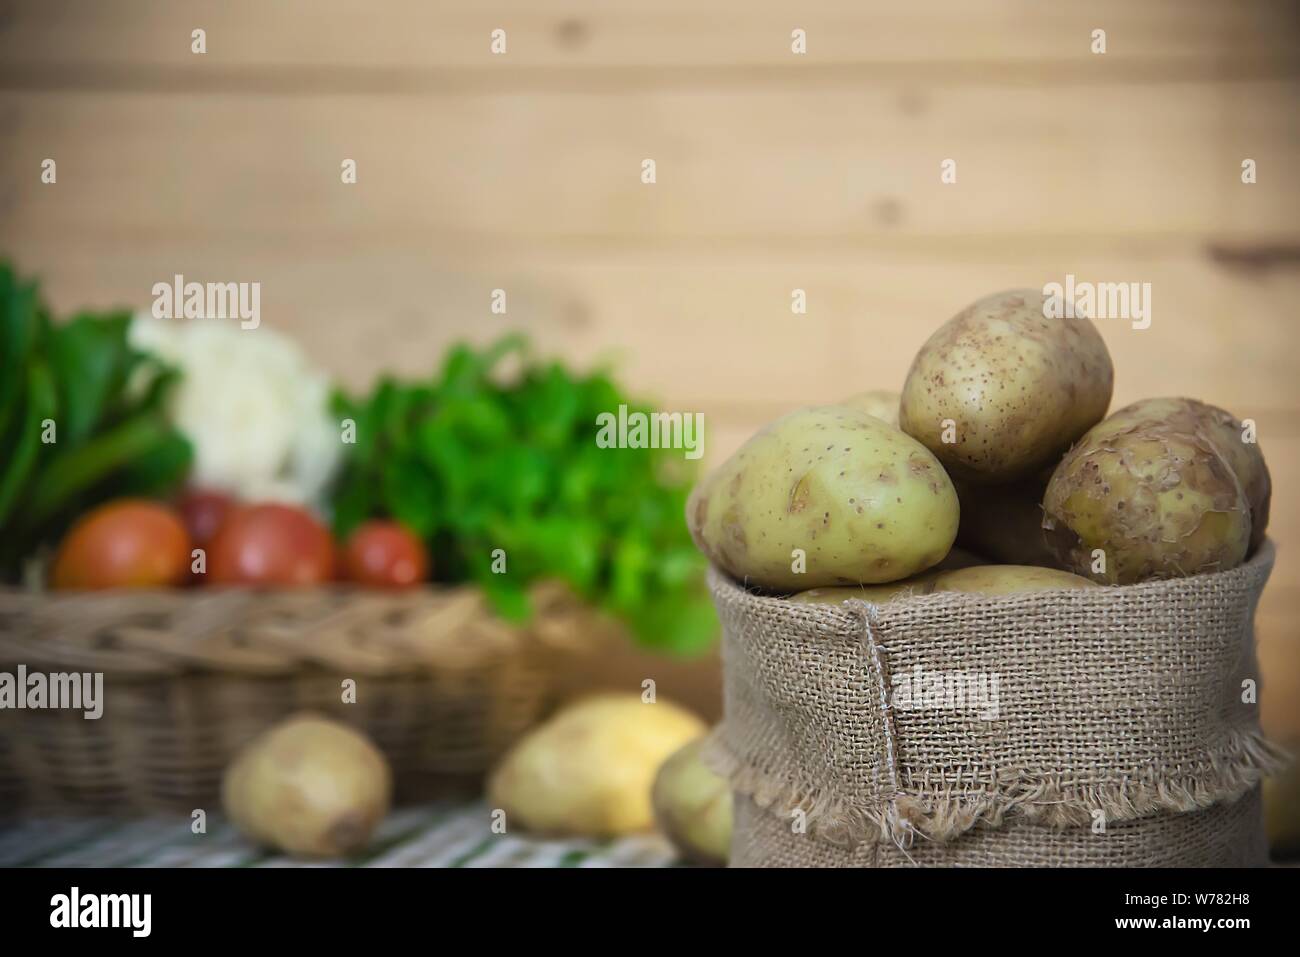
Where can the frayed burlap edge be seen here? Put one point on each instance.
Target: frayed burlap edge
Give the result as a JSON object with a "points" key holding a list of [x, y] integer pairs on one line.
{"points": [[1245, 759], [829, 818]]}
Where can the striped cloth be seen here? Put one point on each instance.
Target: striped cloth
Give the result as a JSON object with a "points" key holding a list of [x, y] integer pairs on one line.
{"points": [[435, 835]]}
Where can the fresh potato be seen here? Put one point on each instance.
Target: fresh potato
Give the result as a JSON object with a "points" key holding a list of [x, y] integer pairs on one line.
{"points": [[693, 806], [308, 786], [1007, 387], [1219, 428], [1005, 522], [879, 594], [1282, 810], [1157, 501], [876, 594], [1008, 580], [881, 403], [864, 502], [589, 769]]}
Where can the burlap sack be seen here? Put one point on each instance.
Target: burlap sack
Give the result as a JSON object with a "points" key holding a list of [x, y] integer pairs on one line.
{"points": [[1229, 834], [1110, 726]]}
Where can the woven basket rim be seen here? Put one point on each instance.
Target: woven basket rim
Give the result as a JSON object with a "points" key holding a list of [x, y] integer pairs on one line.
{"points": [[334, 628]]}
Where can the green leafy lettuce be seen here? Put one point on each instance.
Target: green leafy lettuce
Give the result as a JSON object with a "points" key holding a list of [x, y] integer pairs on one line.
{"points": [[82, 420], [475, 460]]}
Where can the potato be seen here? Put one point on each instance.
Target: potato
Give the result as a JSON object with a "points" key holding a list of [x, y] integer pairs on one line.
{"points": [[1216, 426], [876, 594], [879, 594], [1157, 501], [589, 769], [1282, 810], [1008, 580], [308, 786], [864, 502], [692, 806], [881, 403], [1008, 387], [1005, 522]]}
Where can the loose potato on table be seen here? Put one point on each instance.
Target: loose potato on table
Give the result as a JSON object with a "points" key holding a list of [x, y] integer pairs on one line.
{"points": [[590, 769], [825, 496], [1282, 810], [882, 403], [1153, 498], [1008, 580], [309, 786], [1001, 390], [692, 806]]}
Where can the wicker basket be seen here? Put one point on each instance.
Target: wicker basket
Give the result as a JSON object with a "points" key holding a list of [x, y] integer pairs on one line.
{"points": [[442, 686]]}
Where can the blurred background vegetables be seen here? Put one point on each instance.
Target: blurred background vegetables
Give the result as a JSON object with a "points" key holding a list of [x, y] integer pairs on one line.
{"points": [[128, 543], [254, 407], [82, 420], [493, 463], [385, 555], [203, 511], [487, 472], [271, 545]]}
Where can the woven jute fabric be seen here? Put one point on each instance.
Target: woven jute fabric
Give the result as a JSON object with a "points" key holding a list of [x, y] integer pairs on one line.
{"points": [[1228, 834], [442, 685], [911, 723]]}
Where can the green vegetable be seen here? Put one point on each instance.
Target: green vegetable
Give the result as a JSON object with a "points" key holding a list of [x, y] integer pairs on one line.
{"points": [[80, 384], [473, 462]]}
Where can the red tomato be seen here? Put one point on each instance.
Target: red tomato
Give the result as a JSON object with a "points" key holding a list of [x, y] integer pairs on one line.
{"points": [[272, 546], [203, 511], [386, 555], [129, 543]]}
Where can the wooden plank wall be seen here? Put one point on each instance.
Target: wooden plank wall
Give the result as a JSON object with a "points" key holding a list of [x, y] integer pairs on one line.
{"points": [[775, 172]]}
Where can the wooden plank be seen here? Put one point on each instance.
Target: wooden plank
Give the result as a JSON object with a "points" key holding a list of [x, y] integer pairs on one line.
{"points": [[760, 167], [999, 38]]}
